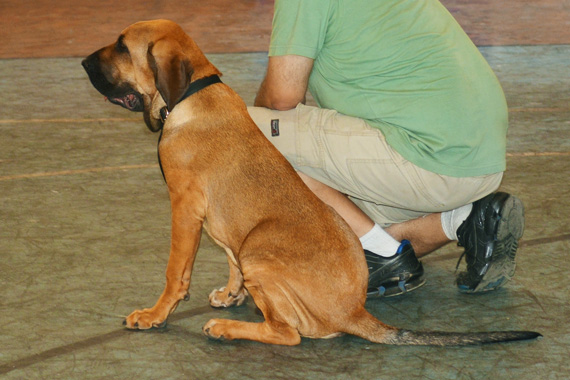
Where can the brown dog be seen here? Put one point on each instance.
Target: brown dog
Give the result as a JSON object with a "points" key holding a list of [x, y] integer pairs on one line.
{"points": [[299, 261]]}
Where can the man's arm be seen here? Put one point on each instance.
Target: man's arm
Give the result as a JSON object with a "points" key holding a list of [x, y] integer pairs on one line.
{"points": [[285, 83]]}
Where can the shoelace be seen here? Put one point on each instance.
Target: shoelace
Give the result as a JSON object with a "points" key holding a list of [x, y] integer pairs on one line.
{"points": [[460, 258]]}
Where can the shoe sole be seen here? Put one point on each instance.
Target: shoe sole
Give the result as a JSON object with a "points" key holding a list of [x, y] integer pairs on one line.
{"points": [[509, 230], [399, 288]]}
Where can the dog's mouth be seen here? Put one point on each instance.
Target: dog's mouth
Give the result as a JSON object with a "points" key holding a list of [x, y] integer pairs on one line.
{"points": [[103, 80], [131, 101]]}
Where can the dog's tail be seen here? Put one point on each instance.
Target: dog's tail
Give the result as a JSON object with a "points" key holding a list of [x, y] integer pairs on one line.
{"points": [[372, 329], [437, 338]]}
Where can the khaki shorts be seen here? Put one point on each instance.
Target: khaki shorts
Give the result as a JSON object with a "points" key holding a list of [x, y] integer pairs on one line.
{"points": [[347, 154]]}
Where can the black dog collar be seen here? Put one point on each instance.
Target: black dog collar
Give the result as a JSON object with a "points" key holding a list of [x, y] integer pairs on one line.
{"points": [[192, 89]]}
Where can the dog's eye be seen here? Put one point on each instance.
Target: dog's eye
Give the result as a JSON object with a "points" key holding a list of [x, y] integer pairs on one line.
{"points": [[120, 46]]}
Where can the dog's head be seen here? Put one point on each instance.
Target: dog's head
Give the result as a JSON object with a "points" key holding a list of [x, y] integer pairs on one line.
{"points": [[150, 66]]}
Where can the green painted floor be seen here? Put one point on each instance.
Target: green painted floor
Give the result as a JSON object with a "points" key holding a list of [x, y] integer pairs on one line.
{"points": [[85, 229]]}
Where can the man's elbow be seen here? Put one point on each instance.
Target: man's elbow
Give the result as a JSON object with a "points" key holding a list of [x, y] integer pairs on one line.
{"points": [[283, 102], [278, 97]]}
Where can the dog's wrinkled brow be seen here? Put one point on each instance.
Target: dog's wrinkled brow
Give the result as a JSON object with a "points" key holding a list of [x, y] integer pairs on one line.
{"points": [[120, 45]]}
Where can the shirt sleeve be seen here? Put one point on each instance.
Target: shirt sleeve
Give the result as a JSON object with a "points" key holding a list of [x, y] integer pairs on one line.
{"points": [[299, 27]]}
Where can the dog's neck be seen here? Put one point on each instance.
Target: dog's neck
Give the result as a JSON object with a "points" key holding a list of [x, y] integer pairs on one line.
{"points": [[193, 88]]}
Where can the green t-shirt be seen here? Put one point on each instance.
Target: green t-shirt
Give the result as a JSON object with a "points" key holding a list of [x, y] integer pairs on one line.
{"points": [[407, 68]]}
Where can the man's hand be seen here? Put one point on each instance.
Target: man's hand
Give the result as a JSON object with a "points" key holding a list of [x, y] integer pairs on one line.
{"points": [[285, 83]]}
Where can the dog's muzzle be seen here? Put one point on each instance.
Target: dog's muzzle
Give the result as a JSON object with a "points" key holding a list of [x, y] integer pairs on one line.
{"points": [[121, 94]]}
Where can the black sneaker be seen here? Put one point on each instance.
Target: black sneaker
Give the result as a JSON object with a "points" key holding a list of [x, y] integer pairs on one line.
{"points": [[391, 276], [490, 235]]}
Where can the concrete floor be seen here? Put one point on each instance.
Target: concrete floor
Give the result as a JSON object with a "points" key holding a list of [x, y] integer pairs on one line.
{"points": [[85, 229]]}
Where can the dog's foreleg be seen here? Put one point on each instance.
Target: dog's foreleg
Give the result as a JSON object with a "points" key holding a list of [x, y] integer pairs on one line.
{"points": [[233, 294], [186, 232]]}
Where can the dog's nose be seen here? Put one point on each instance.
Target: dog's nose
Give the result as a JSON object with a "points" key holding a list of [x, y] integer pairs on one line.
{"points": [[91, 62], [85, 64]]}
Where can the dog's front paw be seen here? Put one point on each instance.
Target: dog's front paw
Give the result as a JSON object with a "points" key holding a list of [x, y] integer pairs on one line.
{"points": [[224, 298], [144, 319]]}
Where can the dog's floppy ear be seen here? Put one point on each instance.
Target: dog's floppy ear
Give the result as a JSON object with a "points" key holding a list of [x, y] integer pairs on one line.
{"points": [[172, 70]]}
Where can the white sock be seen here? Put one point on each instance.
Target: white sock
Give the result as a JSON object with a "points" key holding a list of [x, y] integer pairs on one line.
{"points": [[379, 242], [451, 220]]}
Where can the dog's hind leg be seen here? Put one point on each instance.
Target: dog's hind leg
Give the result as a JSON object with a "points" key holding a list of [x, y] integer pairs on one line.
{"points": [[277, 328], [233, 294], [265, 332]]}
